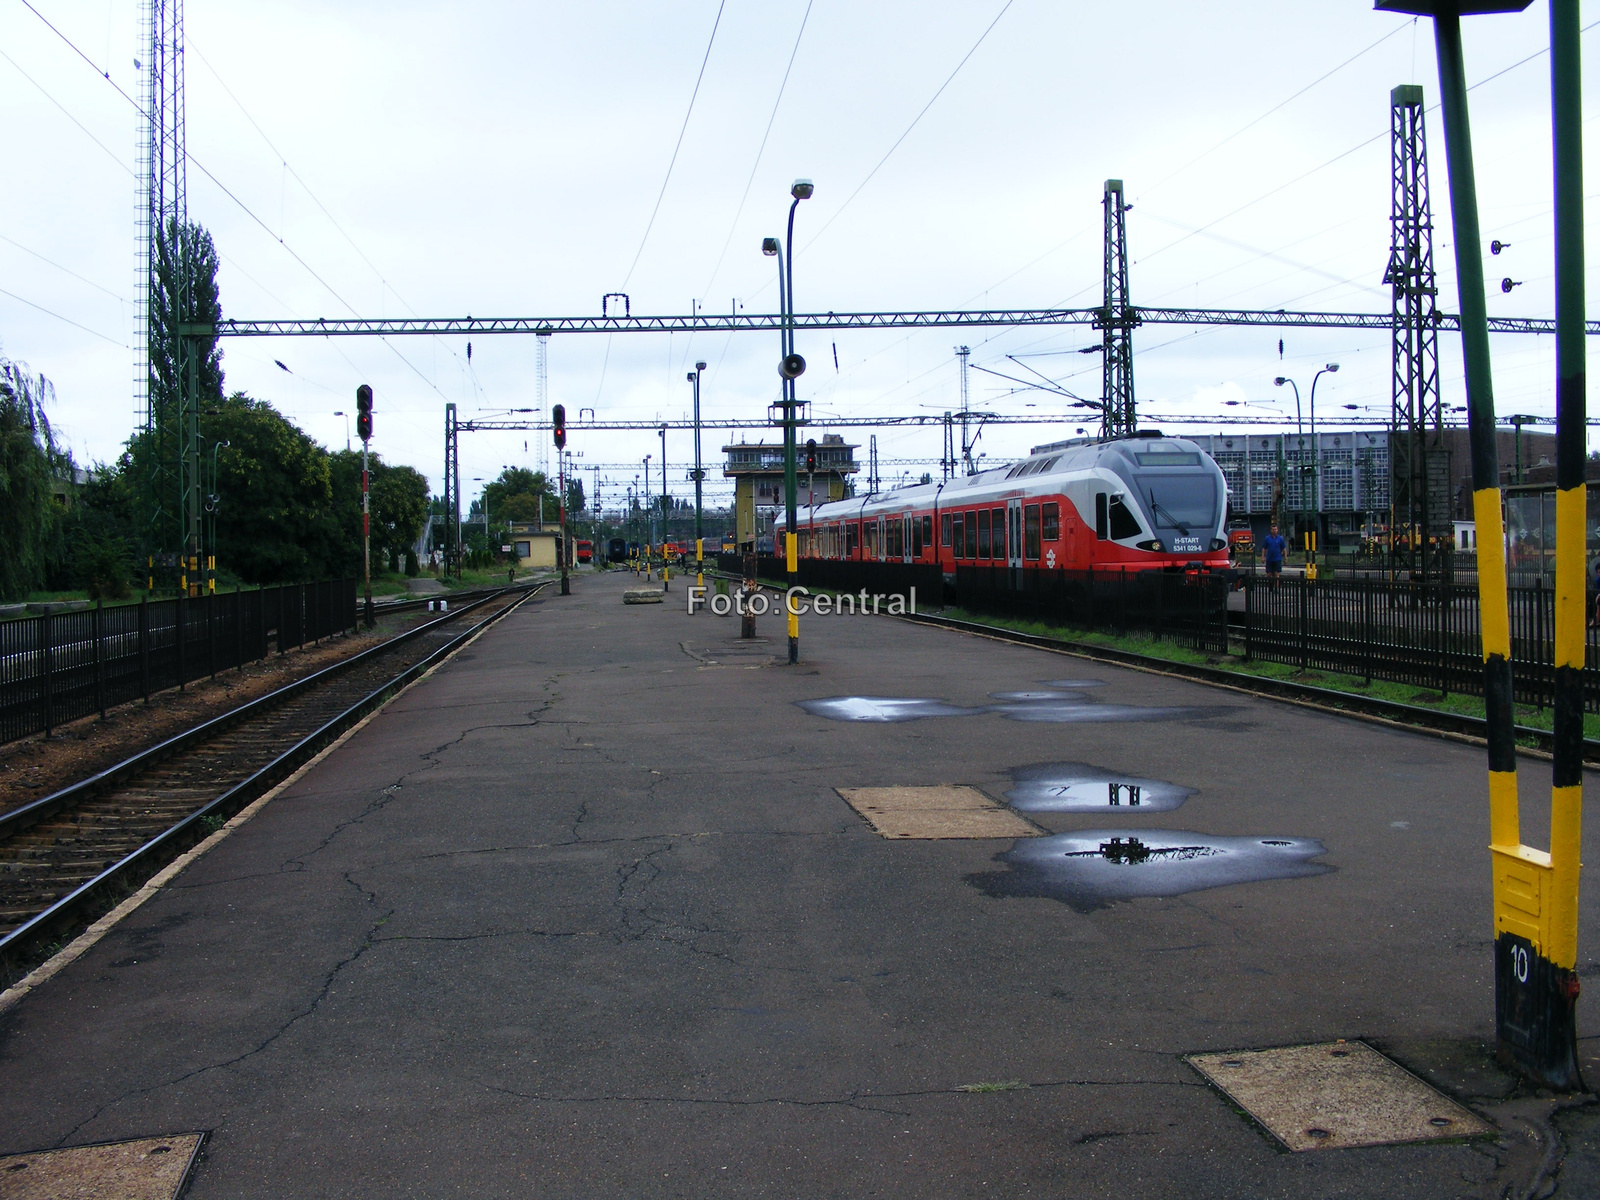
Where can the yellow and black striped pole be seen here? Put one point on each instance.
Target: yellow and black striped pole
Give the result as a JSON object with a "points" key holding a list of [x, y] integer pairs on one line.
{"points": [[1535, 893]]}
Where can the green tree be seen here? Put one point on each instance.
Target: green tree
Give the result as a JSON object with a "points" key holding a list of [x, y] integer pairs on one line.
{"points": [[186, 291], [399, 506], [29, 467], [276, 519]]}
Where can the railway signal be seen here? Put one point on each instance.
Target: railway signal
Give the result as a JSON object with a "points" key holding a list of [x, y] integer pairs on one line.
{"points": [[558, 428], [558, 425], [364, 428], [811, 455]]}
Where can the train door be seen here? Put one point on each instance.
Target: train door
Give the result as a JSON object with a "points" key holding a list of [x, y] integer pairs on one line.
{"points": [[906, 520], [1014, 542]]}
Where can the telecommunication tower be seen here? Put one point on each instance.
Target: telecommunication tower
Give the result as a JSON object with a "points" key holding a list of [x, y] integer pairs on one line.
{"points": [[1116, 322], [1420, 467]]}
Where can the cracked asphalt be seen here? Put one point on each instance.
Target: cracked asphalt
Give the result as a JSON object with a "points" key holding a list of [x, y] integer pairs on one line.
{"points": [[581, 915]]}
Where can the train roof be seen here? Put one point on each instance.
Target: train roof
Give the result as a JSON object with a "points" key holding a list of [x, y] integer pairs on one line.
{"points": [[1056, 459]]}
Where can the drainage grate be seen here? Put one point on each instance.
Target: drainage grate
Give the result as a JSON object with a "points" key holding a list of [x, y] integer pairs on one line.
{"points": [[145, 1169], [1336, 1095], [936, 812]]}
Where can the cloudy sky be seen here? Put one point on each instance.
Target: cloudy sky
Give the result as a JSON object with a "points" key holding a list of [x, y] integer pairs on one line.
{"points": [[523, 159]]}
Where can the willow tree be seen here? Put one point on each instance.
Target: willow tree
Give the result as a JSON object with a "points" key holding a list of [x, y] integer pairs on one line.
{"points": [[29, 466]]}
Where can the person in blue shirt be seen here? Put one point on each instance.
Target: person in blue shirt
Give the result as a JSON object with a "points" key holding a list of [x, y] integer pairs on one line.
{"points": [[1272, 548]]}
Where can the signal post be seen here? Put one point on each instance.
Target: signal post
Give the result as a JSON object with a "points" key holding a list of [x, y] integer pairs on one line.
{"points": [[558, 422], [364, 429]]}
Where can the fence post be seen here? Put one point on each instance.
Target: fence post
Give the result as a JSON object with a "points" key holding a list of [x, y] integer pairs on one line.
{"points": [[1440, 627], [238, 628], [1161, 580], [1249, 610], [1537, 657], [1303, 583], [178, 622], [99, 654], [144, 646], [47, 679], [1366, 629]]}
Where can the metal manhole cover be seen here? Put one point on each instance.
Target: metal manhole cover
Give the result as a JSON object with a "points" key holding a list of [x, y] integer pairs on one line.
{"points": [[1335, 1095], [936, 812], [143, 1169]]}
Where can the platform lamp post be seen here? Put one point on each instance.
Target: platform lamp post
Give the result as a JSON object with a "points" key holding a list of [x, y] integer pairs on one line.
{"points": [[1300, 466], [1535, 893], [791, 367], [650, 519], [699, 478], [1316, 462]]}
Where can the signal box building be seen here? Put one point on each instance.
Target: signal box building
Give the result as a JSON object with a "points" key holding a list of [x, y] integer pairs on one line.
{"points": [[757, 471]]}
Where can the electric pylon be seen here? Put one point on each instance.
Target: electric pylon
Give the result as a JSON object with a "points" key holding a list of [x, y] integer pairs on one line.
{"points": [[1116, 322]]}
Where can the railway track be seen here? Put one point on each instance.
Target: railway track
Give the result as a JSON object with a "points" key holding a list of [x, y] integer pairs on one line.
{"points": [[71, 856]]}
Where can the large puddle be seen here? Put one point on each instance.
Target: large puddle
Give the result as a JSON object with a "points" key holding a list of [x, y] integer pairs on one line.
{"points": [[1060, 701], [1080, 787], [1092, 868]]}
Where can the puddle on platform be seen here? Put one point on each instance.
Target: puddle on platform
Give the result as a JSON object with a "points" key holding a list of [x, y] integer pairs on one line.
{"points": [[882, 708], [1062, 701], [1093, 868], [1079, 787]]}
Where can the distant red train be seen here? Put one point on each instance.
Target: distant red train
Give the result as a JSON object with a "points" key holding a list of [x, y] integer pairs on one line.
{"points": [[1140, 503]]}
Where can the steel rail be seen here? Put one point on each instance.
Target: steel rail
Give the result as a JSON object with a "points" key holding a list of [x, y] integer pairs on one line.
{"points": [[768, 322], [16, 945]]}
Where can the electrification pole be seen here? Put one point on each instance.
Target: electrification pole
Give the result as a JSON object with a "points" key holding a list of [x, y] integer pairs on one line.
{"points": [[699, 477]]}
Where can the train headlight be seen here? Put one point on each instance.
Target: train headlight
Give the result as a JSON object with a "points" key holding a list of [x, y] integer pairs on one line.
{"points": [[1219, 544], [1152, 544]]}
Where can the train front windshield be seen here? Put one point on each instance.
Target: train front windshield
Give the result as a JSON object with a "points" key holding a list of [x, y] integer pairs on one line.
{"points": [[1185, 503]]}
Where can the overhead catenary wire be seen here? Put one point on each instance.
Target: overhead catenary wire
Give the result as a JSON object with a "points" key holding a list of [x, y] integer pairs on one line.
{"points": [[650, 224], [223, 188]]}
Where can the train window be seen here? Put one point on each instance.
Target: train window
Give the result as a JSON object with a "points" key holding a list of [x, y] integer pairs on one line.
{"points": [[1052, 522], [983, 533], [972, 535], [916, 537], [1184, 502], [959, 546], [1030, 531], [997, 547], [1123, 523], [850, 536], [927, 531], [944, 530], [1102, 527]]}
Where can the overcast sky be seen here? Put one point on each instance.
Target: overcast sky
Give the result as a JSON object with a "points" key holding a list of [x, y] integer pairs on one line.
{"points": [[505, 159]]}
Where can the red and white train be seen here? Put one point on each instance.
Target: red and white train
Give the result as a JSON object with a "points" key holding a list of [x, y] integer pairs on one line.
{"points": [[1141, 503]]}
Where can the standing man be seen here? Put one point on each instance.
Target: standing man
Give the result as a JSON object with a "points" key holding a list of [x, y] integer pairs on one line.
{"points": [[1272, 548]]}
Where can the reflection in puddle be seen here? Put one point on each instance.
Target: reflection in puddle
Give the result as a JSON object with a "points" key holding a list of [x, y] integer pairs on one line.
{"points": [[1064, 712], [1093, 868], [1079, 787], [1065, 702], [883, 708]]}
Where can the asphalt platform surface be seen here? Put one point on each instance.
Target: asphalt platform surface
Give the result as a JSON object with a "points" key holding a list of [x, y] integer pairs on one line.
{"points": [[582, 915]]}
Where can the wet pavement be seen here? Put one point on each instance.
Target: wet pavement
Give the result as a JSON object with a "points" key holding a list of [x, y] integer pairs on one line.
{"points": [[583, 915]]}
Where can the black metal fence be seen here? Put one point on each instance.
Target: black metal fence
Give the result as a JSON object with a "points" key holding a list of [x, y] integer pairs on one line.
{"points": [[62, 666], [1188, 606], [878, 578]]}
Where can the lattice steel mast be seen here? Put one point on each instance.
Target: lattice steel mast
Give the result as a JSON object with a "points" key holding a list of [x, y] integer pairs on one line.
{"points": [[163, 302], [1420, 496], [1116, 321]]}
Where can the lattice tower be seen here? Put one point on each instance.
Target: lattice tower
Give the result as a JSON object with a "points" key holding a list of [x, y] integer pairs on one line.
{"points": [[541, 377], [1116, 322]]}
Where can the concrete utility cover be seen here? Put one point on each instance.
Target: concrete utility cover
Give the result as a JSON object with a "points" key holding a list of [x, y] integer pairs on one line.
{"points": [[1335, 1095], [936, 812], [146, 1169], [642, 596]]}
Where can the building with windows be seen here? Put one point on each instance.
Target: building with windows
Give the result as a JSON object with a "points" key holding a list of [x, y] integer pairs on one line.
{"points": [[757, 471]]}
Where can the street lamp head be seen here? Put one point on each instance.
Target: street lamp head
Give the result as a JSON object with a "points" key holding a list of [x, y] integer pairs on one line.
{"points": [[769, 246], [1331, 367], [802, 189], [690, 376], [1279, 381], [699, 366]]}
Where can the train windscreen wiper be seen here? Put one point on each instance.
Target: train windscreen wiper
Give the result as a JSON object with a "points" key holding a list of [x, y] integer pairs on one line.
{"points": [[1156, 507]]}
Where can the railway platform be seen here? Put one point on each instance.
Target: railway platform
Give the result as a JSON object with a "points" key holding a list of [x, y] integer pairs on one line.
{"points": [[614, 903]]}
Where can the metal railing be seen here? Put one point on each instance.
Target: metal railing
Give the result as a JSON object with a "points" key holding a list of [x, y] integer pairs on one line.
{"points": [[59, 667]]}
